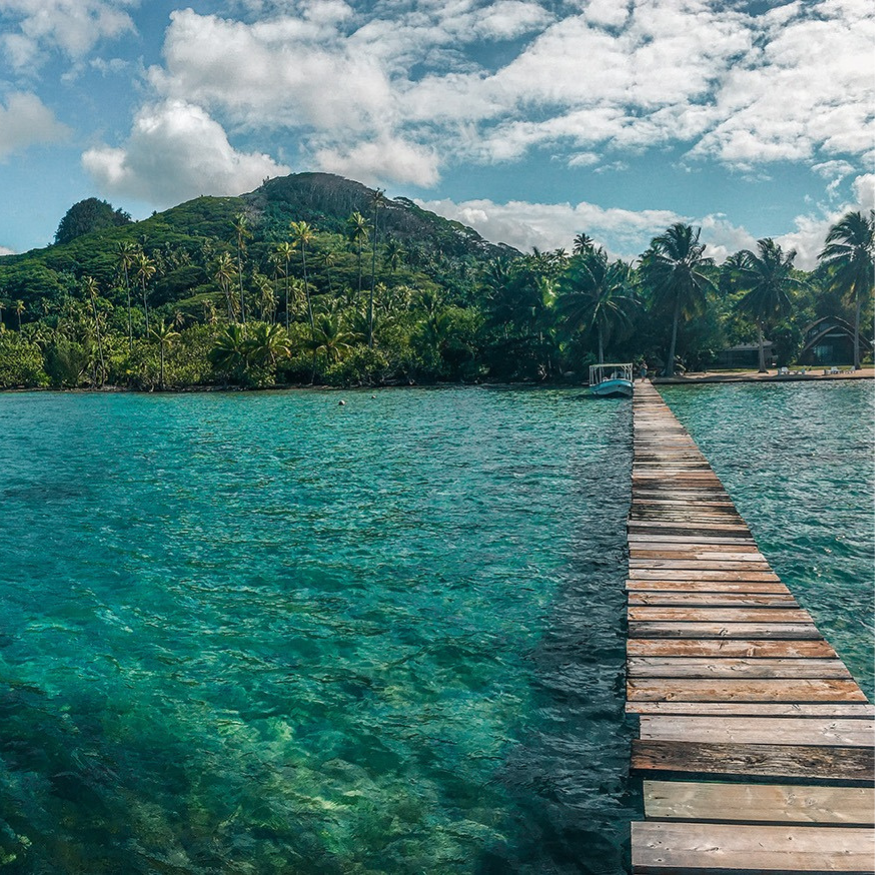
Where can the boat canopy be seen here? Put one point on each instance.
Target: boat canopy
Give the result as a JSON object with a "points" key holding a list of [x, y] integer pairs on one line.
{"points": [[601, 373]]}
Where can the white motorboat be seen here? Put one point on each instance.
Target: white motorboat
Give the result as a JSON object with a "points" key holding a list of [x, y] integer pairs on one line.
{"points": [[611, 380]]}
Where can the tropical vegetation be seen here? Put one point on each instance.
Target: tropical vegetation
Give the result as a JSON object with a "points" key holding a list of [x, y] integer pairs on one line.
{"points": [[313, 279]]}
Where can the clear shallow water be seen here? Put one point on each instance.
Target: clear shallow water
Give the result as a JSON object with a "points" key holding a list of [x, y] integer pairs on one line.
{"points": [[259, 633], [798, 462]]}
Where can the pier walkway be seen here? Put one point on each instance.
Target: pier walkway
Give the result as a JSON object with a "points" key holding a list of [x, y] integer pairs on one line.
{"points": [[755, 743]]}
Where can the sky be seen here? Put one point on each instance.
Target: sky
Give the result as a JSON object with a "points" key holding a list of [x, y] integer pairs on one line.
{"points": [[529, 121]]}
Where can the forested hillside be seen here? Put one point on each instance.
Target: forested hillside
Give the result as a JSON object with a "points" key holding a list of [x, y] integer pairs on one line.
{"points": [[316, 279]]}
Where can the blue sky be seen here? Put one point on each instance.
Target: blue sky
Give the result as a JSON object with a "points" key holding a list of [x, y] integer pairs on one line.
{"points": [[530, 121]]}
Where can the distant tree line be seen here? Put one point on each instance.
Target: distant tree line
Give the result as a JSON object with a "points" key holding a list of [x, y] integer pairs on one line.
{"points": [[216, 293]]}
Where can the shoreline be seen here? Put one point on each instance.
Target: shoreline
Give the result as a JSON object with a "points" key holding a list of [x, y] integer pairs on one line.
{"points": [[810, 375], [688, 379]]}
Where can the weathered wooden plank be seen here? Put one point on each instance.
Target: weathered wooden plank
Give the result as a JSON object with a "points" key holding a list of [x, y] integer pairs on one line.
{"points": [[728, 667], [698, 529], [740, 648], [681, 540], [667, 551], [745, 566], [757, 709], [743, 690], [673, 556], [660, 847], [713, 586], [702, 598], [829, 731], [787, 803], [647, 613], [839, 764], [712, 541], [671, 574], [782, 631]]}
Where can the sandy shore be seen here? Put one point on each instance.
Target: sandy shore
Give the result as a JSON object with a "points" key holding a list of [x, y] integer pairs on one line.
{"points": [[867, 373]]}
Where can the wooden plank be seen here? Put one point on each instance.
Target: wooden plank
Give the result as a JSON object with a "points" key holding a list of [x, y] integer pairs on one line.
{"points": [[788, 803], [700, 565], [830, 731], [756, 709], [640, 556], [743, 690], [713, 599], [715, 586], [782, 631], [660, 847], [692, 540], [670, 574], [711, 667], [661, 550], [730, 647], [646, 613], [808, 762]]}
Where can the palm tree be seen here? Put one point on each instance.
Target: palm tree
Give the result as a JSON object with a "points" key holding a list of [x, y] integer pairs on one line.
{"points": [[284, 250], [327, 259], [377, 199], [268, 344], [223, 275], [583, 243], [303, 234], [164, 335], [394, 254], [595, 295], [19, 309], [266, 297], [232, 350], [126, 253], [330, 337], [145, 271], [241, 231], [209, 312], [357, 233], [92, 289], [766, 280], [850, 253], [673, 267]]}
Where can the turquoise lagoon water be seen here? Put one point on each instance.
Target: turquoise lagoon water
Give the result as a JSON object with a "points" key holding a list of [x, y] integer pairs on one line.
{"points": [[262, 633], [798, 462]]}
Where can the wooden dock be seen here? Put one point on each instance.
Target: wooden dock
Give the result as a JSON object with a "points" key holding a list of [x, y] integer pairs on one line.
{"points": [[755, 743]]}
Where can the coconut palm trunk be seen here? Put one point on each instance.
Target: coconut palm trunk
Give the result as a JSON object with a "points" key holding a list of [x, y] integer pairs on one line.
{"points": [[762, 342], [672, 349], [858, 362]]}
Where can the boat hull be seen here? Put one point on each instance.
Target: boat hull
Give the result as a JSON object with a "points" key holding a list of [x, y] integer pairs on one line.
{"points": [[612, 389]]}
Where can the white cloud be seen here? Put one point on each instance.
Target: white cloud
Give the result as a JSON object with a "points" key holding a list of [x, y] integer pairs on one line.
{"points": [[810, 87], [625, 233], [281, 73], [5, 250], [72, 27], [608, 13], [790, 85], [864, 191], [385, 160], [26, 120], [176, 151]]}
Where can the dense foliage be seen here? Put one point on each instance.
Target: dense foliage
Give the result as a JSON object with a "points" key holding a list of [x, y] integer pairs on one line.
{"points": [[316, 279], [89, 216]]}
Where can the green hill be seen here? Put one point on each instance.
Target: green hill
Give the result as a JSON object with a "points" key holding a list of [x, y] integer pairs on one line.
{"points": [[184, 240]]}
